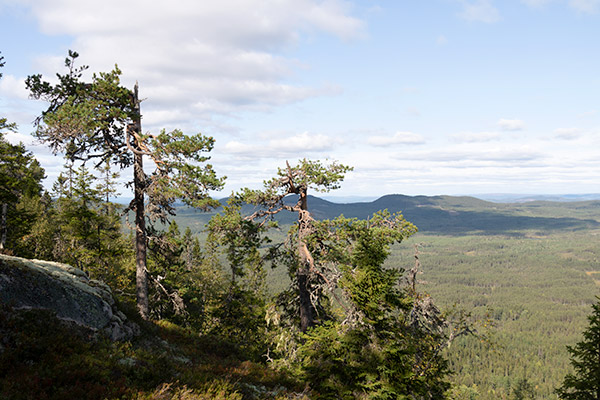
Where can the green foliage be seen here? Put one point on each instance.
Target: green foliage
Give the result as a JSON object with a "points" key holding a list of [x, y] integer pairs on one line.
{"points": [[240, 239], [6, 126], [364, 335], [584, 382], [523, 389], [313, 175], [239, 314], [89, 236], [20, 185], [101, 121], [534, 287], [218, 290], [107, 188], [84, 119], [463, 392], [182, 284], [298, 179], [214, 391], [35, 229], [377, 349], [176, 177], [46, 359], [20, 173], [95, 121], [78, 228]]}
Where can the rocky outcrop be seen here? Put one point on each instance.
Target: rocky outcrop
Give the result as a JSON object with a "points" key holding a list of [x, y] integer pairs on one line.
{"points": [[26, 284]]}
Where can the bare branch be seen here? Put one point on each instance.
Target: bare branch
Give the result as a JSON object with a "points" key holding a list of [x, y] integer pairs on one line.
{"points": [[130, 147]]}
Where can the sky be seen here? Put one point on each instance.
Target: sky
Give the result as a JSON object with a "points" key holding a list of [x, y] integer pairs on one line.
{"points": [[421, 97]]}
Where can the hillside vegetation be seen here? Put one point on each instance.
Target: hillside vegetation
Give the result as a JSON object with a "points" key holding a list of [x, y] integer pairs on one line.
{"points": [[536, 289], [532, 268]]}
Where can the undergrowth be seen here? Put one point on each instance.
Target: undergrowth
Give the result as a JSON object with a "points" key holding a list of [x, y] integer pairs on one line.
{"points": [[44, 358]]}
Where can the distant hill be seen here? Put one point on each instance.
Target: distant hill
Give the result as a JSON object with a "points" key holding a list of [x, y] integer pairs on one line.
{"points": [[444, 214], [523, 198]]}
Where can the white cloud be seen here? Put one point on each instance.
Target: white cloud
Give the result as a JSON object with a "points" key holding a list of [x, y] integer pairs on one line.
{"points": [[165, 117], [441, 40], [585, 6], [237, 147], [473, 137], [540, 166], [478, 155], [398, 138], [18, 137], [567, 133], [480, 10], [302, 142], [511, 124], [238, 22], [282, 145], [12, 87], [198, 55]]}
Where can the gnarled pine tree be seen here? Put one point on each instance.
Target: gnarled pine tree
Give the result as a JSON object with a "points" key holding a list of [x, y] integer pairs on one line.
{"points": [[298, 180], [100, 121], [367, 332]]}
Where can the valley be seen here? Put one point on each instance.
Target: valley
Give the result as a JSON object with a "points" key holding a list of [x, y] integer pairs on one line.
{"points": [[530, 269]]}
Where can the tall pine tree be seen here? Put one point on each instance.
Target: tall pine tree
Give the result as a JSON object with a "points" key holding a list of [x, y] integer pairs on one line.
{"points": [[101, 121]]}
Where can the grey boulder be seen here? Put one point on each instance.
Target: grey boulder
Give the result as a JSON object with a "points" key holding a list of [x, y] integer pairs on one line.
{"points": [[27, 284]]}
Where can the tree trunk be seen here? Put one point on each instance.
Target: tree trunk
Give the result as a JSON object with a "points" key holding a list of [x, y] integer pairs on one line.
{"points": [[3, 226], [307, 314], [307, 310], [139, 178]]}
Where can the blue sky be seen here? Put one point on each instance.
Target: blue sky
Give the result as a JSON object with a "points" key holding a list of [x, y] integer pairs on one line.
{"points": [[421, 97]]}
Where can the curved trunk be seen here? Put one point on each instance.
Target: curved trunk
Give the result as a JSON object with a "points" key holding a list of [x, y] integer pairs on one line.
{"points": [[307, 314]]}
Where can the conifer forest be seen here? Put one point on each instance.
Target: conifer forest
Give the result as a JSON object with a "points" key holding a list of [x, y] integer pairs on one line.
{"points": [[274, 293]]}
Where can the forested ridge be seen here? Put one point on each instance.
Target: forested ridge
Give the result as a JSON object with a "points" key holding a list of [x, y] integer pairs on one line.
{"points": [[444, 215], [275, 293]]}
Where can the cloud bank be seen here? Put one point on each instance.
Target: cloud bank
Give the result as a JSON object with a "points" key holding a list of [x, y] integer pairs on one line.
{"points": [[198, 59]]}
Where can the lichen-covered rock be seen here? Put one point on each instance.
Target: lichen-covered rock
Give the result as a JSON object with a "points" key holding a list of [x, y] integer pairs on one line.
{"points": [[65, 290]]}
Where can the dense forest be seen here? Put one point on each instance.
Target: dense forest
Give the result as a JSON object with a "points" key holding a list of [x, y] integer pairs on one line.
{"points": [[267, 297]]}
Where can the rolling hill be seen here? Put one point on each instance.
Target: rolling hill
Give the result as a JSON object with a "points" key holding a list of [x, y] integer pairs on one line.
{"points": [[449, 215]]}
